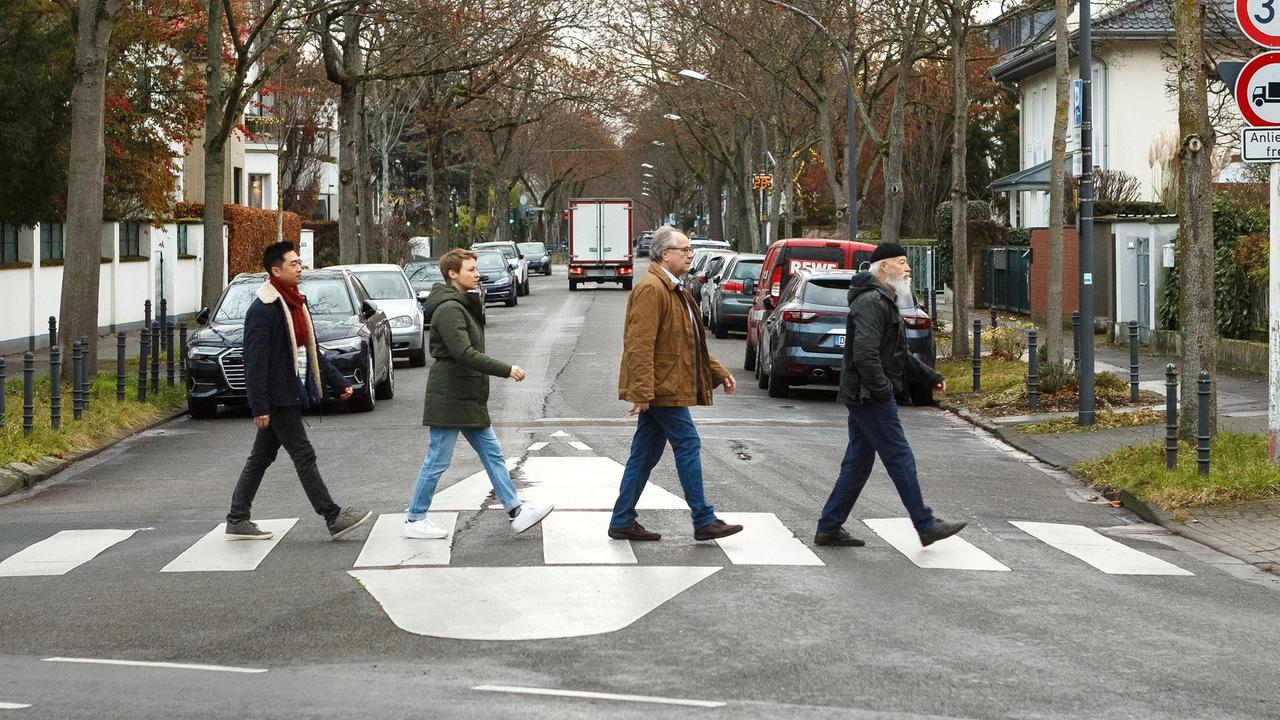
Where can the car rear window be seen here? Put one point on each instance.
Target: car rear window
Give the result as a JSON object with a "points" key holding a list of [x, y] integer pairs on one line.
{"points": [[385, 285], [747, 270], [491, 262], [833, 291]]}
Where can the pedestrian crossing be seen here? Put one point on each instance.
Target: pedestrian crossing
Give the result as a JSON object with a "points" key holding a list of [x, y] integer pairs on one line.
{"points": [[575, 537]]}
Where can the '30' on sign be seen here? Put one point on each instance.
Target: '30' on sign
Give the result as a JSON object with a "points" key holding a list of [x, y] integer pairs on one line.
{"points": [[1260, 21]]}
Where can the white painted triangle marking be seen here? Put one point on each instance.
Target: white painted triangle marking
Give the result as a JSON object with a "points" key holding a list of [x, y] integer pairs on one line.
{"points": [[586, 483], [579, 445], [582, 538], [1103, 553], [954, 553], [388, 547], [764, 540], [559, 434], [215, 553], [524, 603], [537, 446], [61, 552], [468, 493]]}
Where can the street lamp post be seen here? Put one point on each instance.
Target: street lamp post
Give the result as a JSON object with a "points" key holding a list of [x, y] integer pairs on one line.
{"points": [[1084, 368], [851, 102]]}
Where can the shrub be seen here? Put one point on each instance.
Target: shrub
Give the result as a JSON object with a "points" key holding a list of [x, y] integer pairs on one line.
{"points": [[1055, 377], [1005, 342], [249, 232]]}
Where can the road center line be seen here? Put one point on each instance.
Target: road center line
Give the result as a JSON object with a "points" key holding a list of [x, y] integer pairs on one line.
{"points": [[142, 663], [13, 706], [598, 696]]}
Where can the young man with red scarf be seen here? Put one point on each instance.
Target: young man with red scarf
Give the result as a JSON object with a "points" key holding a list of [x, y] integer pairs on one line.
{"points": [[283, 376]]}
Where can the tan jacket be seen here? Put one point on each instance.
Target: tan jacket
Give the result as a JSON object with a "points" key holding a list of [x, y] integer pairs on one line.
{"points": [[664, 352]]}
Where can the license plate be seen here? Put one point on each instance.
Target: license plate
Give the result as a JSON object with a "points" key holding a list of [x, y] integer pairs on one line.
{"points": [[839, 341]]}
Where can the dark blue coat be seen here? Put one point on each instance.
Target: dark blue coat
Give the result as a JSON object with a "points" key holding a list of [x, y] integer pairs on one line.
{"points": [[270, 377]]}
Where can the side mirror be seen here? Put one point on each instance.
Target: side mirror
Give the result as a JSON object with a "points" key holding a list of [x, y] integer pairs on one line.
{"points": [[749, 286], [422, 295], [202, 318], [367, 309]]}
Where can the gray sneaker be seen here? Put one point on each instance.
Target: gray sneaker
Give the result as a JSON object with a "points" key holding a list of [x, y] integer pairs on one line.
{"points": [[349, 519], [246, 530]]}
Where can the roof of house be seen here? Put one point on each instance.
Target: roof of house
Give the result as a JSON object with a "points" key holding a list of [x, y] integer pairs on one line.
{"points": [[1110, 20]]}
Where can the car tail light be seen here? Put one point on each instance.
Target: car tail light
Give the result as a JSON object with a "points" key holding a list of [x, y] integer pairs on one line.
{"points": [[775, 282], [799, 316], [702, 279], [733, 286], [624, 270], [917, 322], [577, 270]]}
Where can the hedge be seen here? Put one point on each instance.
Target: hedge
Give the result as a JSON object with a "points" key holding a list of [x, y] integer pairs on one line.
{"points": [[249, 232], [326, 241]]}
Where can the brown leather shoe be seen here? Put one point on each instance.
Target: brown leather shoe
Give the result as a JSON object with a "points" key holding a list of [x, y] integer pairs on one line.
{"points": [[717, 529], [634, 531]]}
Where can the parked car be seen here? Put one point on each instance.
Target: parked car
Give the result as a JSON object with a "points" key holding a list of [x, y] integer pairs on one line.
{"points": [[537, 255], [781, 261], [696, 278], [514, 258], [499, 278], [730, 295], [391, 291], [424, 275], [350, 330], [700, 243]]}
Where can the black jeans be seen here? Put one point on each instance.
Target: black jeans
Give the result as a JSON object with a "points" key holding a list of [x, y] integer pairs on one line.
{"points": [[286, 429]]}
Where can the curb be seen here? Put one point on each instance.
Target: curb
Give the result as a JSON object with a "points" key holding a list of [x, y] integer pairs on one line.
{"points": [[1148, 512], [44, 468]]}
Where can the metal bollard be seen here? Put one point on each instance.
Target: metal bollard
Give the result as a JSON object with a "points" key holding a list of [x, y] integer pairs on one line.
{"points": [[28, 392], [146, 314], [1033, 376], [55, 387], [994, 322], [977, 355], [1170, 416], [77, 367], [182, 353], [164, 321], [142, 364], [155, 356], [170, 351], [1075, 335], [87, 370], [1202, 430], [2, 393], [1133, 361], [120, 348], [53, 330]]}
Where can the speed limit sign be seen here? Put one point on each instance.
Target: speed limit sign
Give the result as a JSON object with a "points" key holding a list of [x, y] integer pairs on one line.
{"points": [[1260, 21]]}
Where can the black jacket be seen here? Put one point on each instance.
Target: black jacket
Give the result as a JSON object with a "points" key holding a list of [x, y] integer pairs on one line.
{"points": [[876, 363], [270, 377]]}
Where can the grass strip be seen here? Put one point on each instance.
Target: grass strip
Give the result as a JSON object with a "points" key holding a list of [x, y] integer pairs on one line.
{"points": [[1102, 421], [996, 374]]}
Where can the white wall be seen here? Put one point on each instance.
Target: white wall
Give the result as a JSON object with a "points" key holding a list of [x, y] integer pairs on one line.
{"points": [[261, 159]]}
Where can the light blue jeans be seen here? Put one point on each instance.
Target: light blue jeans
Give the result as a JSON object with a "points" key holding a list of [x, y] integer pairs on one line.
{"points": [[440, 454]]}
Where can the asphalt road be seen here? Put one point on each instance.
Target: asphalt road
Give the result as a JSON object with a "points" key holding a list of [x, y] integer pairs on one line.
{"points": [[860, 633]]}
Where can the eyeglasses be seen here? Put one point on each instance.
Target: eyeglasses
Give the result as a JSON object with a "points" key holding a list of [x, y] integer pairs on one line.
{"points": [[686, 249]]}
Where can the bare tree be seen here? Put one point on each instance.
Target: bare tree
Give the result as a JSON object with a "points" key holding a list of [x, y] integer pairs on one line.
{"points": [[959, 16]]}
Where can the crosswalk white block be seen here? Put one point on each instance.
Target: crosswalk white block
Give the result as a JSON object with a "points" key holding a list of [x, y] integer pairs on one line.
{"points": [[954, 553], [388, 547], [764, 540], [582, 538], [215, 553], [1103, 553], [61, 552]]}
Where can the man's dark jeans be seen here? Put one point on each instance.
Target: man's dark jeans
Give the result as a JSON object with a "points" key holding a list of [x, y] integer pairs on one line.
{"points": [[874, 429], [285, 429], [654, 428]]}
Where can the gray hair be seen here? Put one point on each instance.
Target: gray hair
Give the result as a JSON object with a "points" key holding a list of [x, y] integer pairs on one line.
{"points": [[664, 238]]}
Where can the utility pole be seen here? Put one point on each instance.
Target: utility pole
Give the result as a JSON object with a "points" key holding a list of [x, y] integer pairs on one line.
{"points": [[1084, 369]]}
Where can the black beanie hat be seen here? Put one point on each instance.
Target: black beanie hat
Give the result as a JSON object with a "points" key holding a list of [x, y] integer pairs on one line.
{"points": [[886, 251]]}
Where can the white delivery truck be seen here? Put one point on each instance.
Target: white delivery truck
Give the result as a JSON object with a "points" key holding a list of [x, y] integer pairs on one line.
{"points": [[600, 241]]}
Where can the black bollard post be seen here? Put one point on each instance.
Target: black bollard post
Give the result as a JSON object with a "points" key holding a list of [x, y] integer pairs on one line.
{"points": [[170, 351], [28, 392], [994, 321], [2, 393], [1170, 416], [164, 321], [53, 330], [77, 368], [88, 369], [1075, 336], [977, 355], [146, 314], [1202, 430], [55, 387], [1133, 361], [182, 353], [1033, 376], [155, 356], [142, 364], [120, 348]]}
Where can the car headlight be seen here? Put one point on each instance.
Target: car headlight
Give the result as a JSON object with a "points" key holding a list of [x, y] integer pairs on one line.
{"points": [[204, 351], [341, 345], [546, 258], [504, 280], [402, 321]]}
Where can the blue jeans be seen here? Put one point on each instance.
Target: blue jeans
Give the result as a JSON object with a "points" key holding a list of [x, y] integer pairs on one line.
{"points": [[440, 454], [875, 429], [654, 428]]}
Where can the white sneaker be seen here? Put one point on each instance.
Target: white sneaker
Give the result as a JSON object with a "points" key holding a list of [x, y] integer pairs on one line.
{"points": [[530, 515], [424, 530]]}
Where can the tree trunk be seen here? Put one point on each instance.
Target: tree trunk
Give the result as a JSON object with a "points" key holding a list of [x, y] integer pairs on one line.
{"points": [[215, 162], [1195, 222], [369, 250], [749, 241], [891, 222], [960, 276], [345, 71], [83, 237], [833, 169], [470, 237], [499, 228], [714, 194], [440, 220], [1057, 183]]}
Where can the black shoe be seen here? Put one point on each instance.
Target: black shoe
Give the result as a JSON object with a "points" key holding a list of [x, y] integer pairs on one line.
{"points": [[840, 537], [634, 531], [939, 530], [716, 530]]}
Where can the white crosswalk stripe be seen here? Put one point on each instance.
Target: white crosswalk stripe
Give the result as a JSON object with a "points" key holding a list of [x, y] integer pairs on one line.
{"points": [[1101, 552], [62, 552], [581, 538], [388, 547], [215, 553], [764, 540], [954, 553]]}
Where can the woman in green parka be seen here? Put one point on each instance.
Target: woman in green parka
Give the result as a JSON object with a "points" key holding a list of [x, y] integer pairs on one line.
{"points": [[458, 398]]}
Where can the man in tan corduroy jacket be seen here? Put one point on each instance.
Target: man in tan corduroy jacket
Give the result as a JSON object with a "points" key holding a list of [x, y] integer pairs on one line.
{"points": [[665, 369]]}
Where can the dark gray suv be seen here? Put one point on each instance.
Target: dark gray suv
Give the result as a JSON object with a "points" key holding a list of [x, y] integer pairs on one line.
{"points": [[729, 297]]}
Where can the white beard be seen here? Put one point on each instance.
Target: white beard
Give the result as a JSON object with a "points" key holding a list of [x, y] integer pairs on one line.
{"points": [[902, 287]]}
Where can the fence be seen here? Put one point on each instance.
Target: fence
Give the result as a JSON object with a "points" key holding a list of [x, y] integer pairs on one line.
{"points": [[924, 268], [1007, 271]]}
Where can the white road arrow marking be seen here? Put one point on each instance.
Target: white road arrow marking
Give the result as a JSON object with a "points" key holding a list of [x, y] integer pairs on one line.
{"points": [[582, 538], [468, 493], [388, 547], [586, 483]]}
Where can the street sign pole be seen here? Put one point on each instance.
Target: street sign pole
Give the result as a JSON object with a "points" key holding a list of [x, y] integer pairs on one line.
{"points": [[1273, 325], [1084, 369]]}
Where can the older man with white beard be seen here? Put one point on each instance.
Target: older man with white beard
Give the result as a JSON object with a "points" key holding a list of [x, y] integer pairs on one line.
{"points": [[873, 375]]}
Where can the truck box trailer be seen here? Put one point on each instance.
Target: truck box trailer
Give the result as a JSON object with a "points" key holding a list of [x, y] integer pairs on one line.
{"points": [[600, 241]]}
